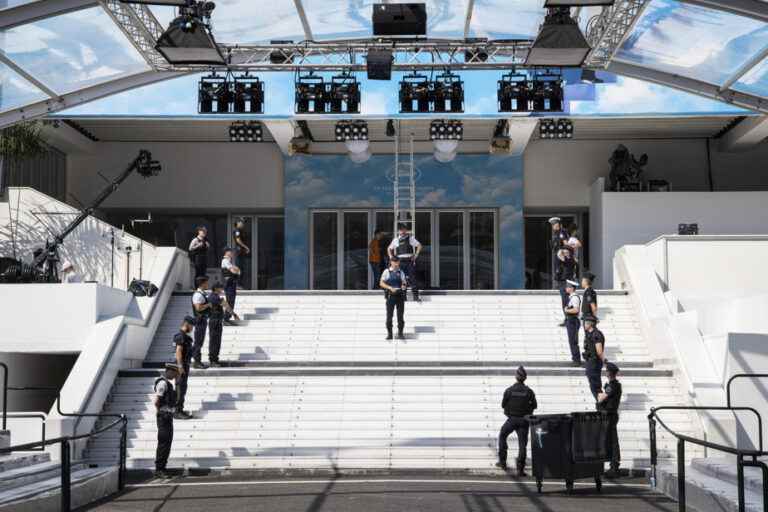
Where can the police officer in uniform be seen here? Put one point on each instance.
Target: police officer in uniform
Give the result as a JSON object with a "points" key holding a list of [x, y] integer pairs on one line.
{"points": [[198, 251], [201, 308], [394, 282], [594, 354], [407, 249], [519, 401], [608, 401], [219, 307], [572, 324], [557, 241], [243, 252], [231, 274], [566, 270], [165, 401], [182, 342], [589, 299]]}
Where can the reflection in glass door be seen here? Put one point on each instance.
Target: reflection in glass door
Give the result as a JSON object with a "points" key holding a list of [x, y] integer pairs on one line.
{"points": [[355, 250], [325, 267], [242, 259], [482, 251], [270, 244], [451, 251]]}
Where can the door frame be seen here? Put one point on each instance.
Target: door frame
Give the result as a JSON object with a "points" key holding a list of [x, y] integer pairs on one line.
{"points": [[254, 217]]}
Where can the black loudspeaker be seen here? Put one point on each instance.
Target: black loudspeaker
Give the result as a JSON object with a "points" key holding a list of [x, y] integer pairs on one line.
{"points": [[379, 64], [399, 19], [142, 288], [687, 229]]}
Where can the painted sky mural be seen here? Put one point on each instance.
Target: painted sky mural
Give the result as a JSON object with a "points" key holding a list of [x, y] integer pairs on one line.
{"points": [[334, 181]]}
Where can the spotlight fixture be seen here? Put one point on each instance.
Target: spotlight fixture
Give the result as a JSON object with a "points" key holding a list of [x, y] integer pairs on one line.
{"points": [[344, 96], [351, 131], [547, 93], [441, 129], [560, 41], [556, 130], [248, 95], [188, 39], [447, 88], [513, 93], [402, 19], [391, 128], [246, 131], [379, 64], [310, 94], [501, 142], [213, 95], [414, 88]]}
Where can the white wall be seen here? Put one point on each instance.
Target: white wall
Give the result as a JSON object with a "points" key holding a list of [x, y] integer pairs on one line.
{"points": [[629, 218], [198, 176]]}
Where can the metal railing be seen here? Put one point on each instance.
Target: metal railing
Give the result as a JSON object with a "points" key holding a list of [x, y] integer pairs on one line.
{"points": [[741, 376], [744, 458]]}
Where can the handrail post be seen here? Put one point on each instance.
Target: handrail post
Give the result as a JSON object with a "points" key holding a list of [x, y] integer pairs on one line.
{"points": [[66, 471], [5, 395], [654, 454], [123, 454], [681, 475], [740, 481]]}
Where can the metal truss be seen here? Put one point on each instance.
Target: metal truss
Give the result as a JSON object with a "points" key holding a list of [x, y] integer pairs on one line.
{"points": [[607, 31], [140, 27]]}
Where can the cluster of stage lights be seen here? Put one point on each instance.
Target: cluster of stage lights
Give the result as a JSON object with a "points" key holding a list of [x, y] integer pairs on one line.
{"points": [[419, 94], [351, 130], [240, 94], [556, 129], [246, 131], [446, 130], [539, 92], [316, 96]]}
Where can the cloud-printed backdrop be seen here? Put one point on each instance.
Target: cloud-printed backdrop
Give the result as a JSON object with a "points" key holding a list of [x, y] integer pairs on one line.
{"points": [[334, 181]]}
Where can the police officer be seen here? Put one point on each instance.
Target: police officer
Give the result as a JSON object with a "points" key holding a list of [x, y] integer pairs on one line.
{"points": [[594, 354], [231, 274], [407, 249], [165, 401], [519, 401], [608, 401], [219, 306], [566, 269], [589, 300], [201, 308], [198, 251], [572, 324], [557, 241], [394, 282], [243, 252], [182, 342]]}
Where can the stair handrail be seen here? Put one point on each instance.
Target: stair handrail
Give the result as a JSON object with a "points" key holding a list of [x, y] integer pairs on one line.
{"points": [[5, 395], [740, 453]]}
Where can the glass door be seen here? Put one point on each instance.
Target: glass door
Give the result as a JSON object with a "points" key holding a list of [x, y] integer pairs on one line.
{"points": [[270, 253], [355, 241], [325, 253], [244, 259], [451, 250], [482, 250]]}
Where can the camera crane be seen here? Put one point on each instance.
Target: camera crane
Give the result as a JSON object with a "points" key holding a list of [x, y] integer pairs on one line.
{"points": [[44, 266]]}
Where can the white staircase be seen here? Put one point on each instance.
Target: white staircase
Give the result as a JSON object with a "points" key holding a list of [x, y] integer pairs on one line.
{"points": [[314, 385], [30, 481]]}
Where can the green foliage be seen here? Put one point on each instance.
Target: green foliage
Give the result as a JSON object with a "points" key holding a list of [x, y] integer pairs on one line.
{"points": [[22, 140]]}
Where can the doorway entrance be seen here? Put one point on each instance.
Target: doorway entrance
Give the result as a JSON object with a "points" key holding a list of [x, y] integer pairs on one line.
{"points": [[263, 268], [459, 248], [539, 267]]}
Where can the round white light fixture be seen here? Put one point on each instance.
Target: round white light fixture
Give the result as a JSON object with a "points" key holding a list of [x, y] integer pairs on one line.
{"points": [[445, 157], [357, 146], [446, 145], [360, 158]]}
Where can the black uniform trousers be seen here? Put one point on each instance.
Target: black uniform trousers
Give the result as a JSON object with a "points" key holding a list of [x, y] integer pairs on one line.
{"points": [[215, 328], [181, 388], [563, 294], [593, 368], [408, 266], [201, 265], [396, 300], [164, 439], [614, 450], [199, 338], [572, 325], [230, 292], [520, 426]]}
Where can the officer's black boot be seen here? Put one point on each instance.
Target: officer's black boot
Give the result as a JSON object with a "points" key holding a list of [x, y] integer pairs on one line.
{"points": [[521, 470], [502, 465], [400, 334], [389, 334]]}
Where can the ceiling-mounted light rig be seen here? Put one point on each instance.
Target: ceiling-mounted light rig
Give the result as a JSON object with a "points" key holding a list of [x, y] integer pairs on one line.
{"points": [[246, 131], [344, 94], [351, 130], [414, 89], [447, 93], [562, 129], [310, 94]]}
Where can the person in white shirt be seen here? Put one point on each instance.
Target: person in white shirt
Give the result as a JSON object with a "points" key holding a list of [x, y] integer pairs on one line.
{"points": [[201, 308], [68, 274], [198, 251], [572, 323], [407, 249], [394, 283], [231, 274]]}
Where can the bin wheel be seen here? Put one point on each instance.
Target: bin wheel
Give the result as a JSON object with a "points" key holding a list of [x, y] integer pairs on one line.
{"points": [[569, 486], [599, 483], [538, 486]]}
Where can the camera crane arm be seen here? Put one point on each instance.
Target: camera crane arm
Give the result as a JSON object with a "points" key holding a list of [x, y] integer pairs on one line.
{"points": [[143, 164]]}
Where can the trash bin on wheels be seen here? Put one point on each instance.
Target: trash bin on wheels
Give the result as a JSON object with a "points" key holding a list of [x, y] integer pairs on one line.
{"points": [[569, 447]]}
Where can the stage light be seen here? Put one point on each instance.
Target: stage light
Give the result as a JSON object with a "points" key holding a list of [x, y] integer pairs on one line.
{"points": [[248, 95], [444, 157], [391, 128], [513, 93], [561, 129], [188, 39], [344, 97], [440, 129], [559, 42], [414, 88], [547, 93], [213, 95], [501, 142], [448, 87], [379, 64], [310, 94], [351, 130], [246, 131], [404, 19], [360, 158]]}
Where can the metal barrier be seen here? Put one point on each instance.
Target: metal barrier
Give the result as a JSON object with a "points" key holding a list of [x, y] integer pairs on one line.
{"points": [[740, 454], [40, 415], [5, 395], [741, 376]]}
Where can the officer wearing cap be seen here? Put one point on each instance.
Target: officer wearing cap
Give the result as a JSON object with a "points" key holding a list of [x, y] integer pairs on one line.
{"points": [[219, 306], [594, 354], [201, 308], [558, 240], [165, 402], [407, 249], [182, 342], [519, 401], [589, 299], [572, 324], [394, 283], [609, 401], [231, 274]]}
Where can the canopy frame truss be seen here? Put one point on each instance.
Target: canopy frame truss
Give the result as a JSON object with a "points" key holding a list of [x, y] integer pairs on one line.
{"points": [[607, 31]]}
